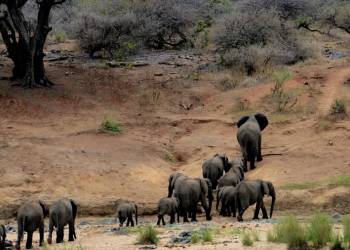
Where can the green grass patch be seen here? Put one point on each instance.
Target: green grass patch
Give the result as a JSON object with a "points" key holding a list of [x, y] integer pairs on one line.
{"points": [[111, 125], [148, 236], [320, 230], [195, 238], [169, 157], [289, 231], [207, 235], [336, 243], [340, 181], [346, 231], [246, 238], [338, 107], [300, 185]]}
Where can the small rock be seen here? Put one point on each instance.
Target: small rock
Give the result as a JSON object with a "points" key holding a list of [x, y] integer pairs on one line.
{"points": [[330, 143], [306, 83], [337, 216], [158, 74], [257, 225]]}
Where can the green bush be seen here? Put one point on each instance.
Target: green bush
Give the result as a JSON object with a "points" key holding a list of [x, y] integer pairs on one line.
{"points": [[207, 235], [289, 231], [346, 231], [195, 238], [320, 230], [246, 239], [60, 36], [148, 235], [111, 125], [338, 107], [336, 243]]}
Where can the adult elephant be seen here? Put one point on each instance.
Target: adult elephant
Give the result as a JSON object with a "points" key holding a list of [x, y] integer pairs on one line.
{"points": [[189, 192], [249, 137], [214, 168], [30, 217], [63, 212], [251, 192]]}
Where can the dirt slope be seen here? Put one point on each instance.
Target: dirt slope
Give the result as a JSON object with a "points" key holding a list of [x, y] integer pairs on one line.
{"points": [[173, 118]]}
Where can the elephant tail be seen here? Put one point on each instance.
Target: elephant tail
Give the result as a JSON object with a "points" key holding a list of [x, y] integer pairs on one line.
{"points": [[136, 214], [74, 212]]}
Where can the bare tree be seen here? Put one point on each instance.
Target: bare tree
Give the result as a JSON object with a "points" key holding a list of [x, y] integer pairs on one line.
{"points": [[25, 42]]}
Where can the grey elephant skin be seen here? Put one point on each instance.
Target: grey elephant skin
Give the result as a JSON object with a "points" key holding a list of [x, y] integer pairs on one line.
{"points": [[30, 217], [234, 175], [249, 138], [252, 192], [168, 206], [2, 237], [125, 211], [189, 192], [63, 212], [227, 196], [214, 168]]}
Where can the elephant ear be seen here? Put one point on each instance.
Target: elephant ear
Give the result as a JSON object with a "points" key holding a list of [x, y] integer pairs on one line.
{"points": [[43, 206], [265, 187], [262, 120], [242, 120], [74, 208]]}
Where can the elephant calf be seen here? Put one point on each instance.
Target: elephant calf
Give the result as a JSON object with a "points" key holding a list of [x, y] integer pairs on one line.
{"points": [[2, 237], [170, 207], [251, 192], [227, 196], [214, 168], [125, 211], [63, 212], [30, 217], [233, 176]]}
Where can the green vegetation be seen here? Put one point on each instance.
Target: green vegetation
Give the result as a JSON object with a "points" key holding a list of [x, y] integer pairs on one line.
{"points": [[207, 235], [319, 231], [346, 231], [195, 238], [111, 125], [246, 238], [60, 36], [340, 181], [289, 231], [255, 235], [169, 157], [280, 77], [299, 185], [336, 243], [148, 235], [338, 107]]}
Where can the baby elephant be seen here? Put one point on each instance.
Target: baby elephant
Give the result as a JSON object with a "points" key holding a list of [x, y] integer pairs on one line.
{"points": [[30, 217], [167, 206], [2, 237], [63, 212], [126, 211]]}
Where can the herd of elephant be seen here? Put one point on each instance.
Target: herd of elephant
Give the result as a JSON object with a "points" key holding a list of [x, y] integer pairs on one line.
{"points": [[220, 175]]}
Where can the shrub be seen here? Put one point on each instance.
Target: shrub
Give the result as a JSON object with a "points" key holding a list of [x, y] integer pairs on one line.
{"points": [[280, 77], [207, 235], [97, 32], [338, 107], [148, 235], [289, 231], [60, 36], [319, 230], [246, 238], [346, 231], [195, 238], [111, 125], [336, 243]]}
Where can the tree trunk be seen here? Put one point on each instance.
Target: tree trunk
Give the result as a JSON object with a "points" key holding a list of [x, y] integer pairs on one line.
{"points": [[25, 47]]}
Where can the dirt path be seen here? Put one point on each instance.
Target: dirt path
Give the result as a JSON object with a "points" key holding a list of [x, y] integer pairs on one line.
{"points": [[333, 86]]}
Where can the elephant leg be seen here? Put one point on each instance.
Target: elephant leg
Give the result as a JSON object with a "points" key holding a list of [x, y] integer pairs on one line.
{"points": [[245, 164], [185, 216], [19, 234], [163, 221], [241, 210], [172, 218], [41, 233], [159, 218], [257, 210], [71, 231], [128, 221], [233, 208], [60, 234], [178, 217], [263, 209], [194, 213], [132, 221], [49, 238], [259, 156], [29, 240]]}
